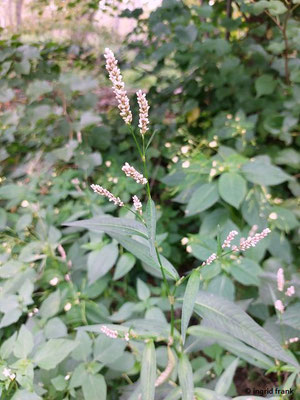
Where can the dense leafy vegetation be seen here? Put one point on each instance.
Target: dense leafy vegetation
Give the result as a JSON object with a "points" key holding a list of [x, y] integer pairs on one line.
{"points": [[224, 95]]}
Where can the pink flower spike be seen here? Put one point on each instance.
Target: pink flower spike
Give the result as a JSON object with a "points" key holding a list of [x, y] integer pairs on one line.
{"points": [[106, 193], [143, 108], [290, 291], [118, 86], [133, 173], [210, 259], [62, 252], [229, 239], [109, 332], [137, 204], [279, 306], [252, 241], [280, 280]]}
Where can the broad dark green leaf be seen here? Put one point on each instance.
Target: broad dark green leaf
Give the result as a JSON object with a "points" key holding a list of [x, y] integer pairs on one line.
{"points": [[51, 353], [232, 188], [203, 198], [101, 261]]}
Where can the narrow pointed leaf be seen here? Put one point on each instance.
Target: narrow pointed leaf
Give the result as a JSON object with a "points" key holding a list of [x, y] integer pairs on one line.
{"points": [[148, 372], [142, 252], [150, 216], [190, 295], [226, 378], [122, 226], [226, 316], [235, 346], [185, 374]]}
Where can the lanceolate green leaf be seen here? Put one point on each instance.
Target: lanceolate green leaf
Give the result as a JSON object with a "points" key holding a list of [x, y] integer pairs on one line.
{"points": [[226, 378], [142, 252], [190, 295], [122, 226], [185, 374], [235, 346], [150, 216], [226, 316], [148, 372]]}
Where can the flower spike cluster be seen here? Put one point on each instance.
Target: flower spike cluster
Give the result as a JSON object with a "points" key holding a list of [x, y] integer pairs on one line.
{"points": [[229, 239], [279, 306], [109, 332], [137, 204], [143, 109], [106, 193], [133, 173], [280, 280], [290, 291], [251, 241], [118, 86]]}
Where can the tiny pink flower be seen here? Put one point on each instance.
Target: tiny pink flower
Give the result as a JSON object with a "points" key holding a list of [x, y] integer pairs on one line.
{"points": [[133, 173], [280, 280], [279, 306], [290, 291]]}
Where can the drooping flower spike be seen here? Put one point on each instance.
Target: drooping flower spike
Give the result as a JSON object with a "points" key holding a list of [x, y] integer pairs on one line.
{"points": [[133, 173], [118, 86], [106, 193]]}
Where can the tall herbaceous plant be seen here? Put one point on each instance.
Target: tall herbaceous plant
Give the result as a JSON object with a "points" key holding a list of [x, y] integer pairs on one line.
{"points": [[222, 319]]}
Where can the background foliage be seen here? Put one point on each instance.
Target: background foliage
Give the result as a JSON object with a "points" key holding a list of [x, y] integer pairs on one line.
{"points": [[223, 85]]}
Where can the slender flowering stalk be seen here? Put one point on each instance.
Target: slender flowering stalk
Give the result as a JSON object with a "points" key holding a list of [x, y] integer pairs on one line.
{"points": [[290, 291], [143, 110], [229, 239], [137, 204], [118, 86], [133, 173], [279, 306], [106, 193], [109, 332], [280, 280]]}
